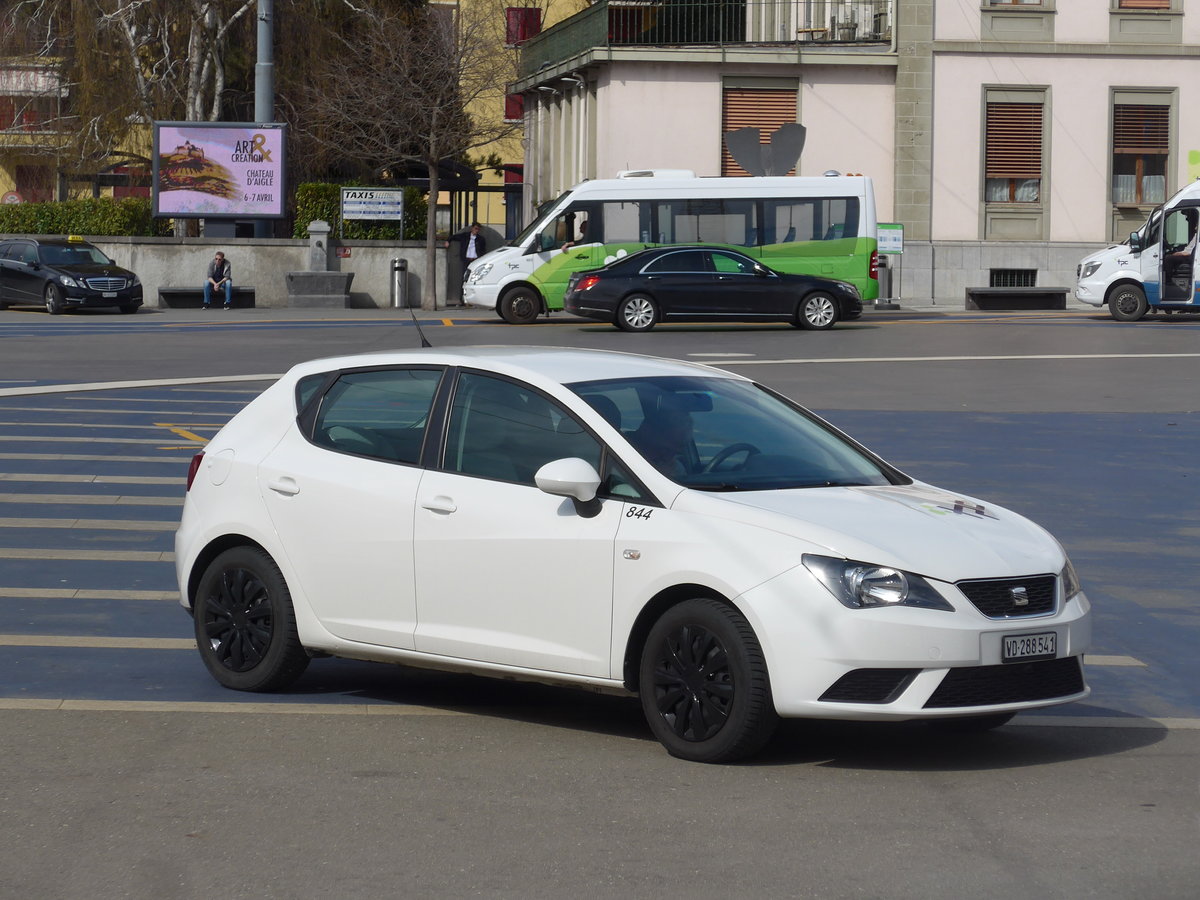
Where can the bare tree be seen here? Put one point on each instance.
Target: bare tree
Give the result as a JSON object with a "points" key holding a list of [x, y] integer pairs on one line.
{"points": [[122, 64], [401, 87]]}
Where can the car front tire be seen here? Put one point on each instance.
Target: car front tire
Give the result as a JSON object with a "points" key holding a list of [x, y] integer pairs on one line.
{"points": [[245, 624], [520, 306], [637, 312], [1127, 303], [703, 683], [54, 299], [817, 312]]}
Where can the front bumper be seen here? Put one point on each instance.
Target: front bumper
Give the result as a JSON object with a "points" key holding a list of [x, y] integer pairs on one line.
{"points": [[482, 295], [827, 661], [1090, 295], [85, 297]]}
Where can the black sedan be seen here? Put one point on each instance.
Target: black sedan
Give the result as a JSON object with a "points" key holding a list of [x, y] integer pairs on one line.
{"points": [[701, 284], [64, 273]]}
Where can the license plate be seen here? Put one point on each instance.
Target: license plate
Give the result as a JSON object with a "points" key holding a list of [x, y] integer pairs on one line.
{"points": [[110, 293], [1024, 647]]}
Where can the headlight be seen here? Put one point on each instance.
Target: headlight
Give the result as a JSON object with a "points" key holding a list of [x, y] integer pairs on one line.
{"points": [[67, 281], [1070, 582], [847, 288], [134, 281], [1089, 270], [860, 585], [479, 272]]}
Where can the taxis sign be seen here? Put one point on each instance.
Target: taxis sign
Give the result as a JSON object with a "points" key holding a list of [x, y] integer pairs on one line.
{"points": [[373, 203]]}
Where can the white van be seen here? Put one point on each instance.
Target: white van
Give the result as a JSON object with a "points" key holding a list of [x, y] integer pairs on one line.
{"points": [[807, 226], [1153, 270]]}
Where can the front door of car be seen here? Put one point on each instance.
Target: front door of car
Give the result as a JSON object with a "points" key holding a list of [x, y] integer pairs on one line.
{"points": [[1177, 262], [505, 573], [682, 284], [341, 500], [749, 288]]}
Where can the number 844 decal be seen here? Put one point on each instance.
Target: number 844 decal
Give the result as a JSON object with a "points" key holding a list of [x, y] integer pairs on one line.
{"points": [[639, 512]]}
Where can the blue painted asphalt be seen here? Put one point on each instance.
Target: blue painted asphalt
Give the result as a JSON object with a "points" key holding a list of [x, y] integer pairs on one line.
{"points": [[1117, 489]]}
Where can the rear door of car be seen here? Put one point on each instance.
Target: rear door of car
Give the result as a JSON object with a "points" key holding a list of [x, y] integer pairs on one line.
{"points": [[22, 281], [682, 284], [340, 494]]}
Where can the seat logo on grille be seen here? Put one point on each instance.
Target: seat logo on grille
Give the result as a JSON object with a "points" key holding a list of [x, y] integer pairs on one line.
{"points": [[1020, 596]]}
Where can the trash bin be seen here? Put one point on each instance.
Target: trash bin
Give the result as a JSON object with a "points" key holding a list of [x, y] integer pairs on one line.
{"points": [[399, 283]]}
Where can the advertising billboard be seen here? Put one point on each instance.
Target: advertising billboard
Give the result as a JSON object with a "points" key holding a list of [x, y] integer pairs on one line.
{"points": [[219, 170]]}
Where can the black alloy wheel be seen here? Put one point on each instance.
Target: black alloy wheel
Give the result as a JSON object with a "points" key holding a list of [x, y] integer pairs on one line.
{"points": [[245, 624], [703, 683]]}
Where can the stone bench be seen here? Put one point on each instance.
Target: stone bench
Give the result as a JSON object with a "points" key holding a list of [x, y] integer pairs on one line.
{"points": [[193, 297], [1010, 298]]}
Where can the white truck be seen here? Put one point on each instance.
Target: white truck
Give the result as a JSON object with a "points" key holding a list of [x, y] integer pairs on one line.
{"points": [[1154, 269]]}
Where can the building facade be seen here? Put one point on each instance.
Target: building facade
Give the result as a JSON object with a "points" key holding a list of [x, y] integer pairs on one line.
{"points": [[1008, 137]]}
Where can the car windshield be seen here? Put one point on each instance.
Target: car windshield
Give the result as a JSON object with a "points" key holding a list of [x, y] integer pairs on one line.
{"points": [[718, 434], [71, 256]]}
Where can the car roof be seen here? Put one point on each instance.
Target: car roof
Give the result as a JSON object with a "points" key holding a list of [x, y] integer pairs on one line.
{"points": [[49, 241], [562, 365]]}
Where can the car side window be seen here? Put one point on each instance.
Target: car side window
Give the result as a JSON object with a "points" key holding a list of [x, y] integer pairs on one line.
{"points": [[381, 414], [683, 261], [22, 252], [506, 431], [728, 264]]}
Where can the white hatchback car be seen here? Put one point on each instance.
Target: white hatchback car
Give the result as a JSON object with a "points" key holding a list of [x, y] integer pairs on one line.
{"points": [[614, 522]]}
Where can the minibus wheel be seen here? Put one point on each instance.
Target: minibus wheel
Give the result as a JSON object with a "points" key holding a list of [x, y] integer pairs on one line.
{"points": [[520, 306], [1127, 303]]}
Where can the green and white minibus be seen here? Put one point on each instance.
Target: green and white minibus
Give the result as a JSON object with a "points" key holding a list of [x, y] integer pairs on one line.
{"points": [[814, 226]]}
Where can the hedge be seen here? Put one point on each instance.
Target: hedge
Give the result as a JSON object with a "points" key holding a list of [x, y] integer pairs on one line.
{"points": [[323, 201], [97, 216]]}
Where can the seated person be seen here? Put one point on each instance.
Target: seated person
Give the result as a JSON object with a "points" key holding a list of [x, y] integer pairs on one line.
{"points": [[665, 438]]}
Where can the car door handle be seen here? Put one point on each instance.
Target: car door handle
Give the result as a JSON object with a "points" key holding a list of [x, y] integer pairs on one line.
{"points": [[285, 485], [440, 504]]}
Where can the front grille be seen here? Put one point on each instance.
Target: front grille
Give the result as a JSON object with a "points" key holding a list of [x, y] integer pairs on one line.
{"points": [[999, 598], [1013, 683], [105, 284], [870, 686]]}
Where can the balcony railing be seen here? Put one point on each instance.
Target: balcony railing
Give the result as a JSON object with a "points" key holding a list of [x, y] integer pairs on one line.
{"points": [[720, 23]]}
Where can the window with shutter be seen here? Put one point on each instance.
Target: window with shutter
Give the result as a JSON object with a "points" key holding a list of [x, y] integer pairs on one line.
{"points": [[1144, 4], [1141, 144], [1013, 158], [521, 23], [514, 107], [763, 108]]}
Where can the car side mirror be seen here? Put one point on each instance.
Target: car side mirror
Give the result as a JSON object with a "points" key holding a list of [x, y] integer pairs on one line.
{"points": [[1135, 242], [761, 271], [571, 477]]}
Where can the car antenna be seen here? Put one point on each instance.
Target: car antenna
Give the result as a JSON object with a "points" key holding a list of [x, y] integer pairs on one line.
{"points": [[424, 341]]}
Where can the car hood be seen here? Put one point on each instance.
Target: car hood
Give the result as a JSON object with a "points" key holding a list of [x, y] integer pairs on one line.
{"points": [[89, 270], [915, 527]]}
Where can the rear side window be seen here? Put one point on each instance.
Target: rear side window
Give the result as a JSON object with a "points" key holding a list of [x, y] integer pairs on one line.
{"points": [[683, 261], [380, 414]]}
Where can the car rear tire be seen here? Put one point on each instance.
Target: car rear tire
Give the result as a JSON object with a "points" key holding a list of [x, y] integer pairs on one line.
{"points": [[54, 299], [1127, 303], [818, 311], [520, 306], [637, 312], [970, 724], [245, 624], [703, 683]]}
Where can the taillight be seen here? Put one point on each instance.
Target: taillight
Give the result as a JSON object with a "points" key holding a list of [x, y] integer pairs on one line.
{"points": [[875, 265], [587, 281], [193, 468]]}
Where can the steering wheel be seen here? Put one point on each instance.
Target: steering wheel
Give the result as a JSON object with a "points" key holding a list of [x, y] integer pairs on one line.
{"points": [[725, 452]]}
